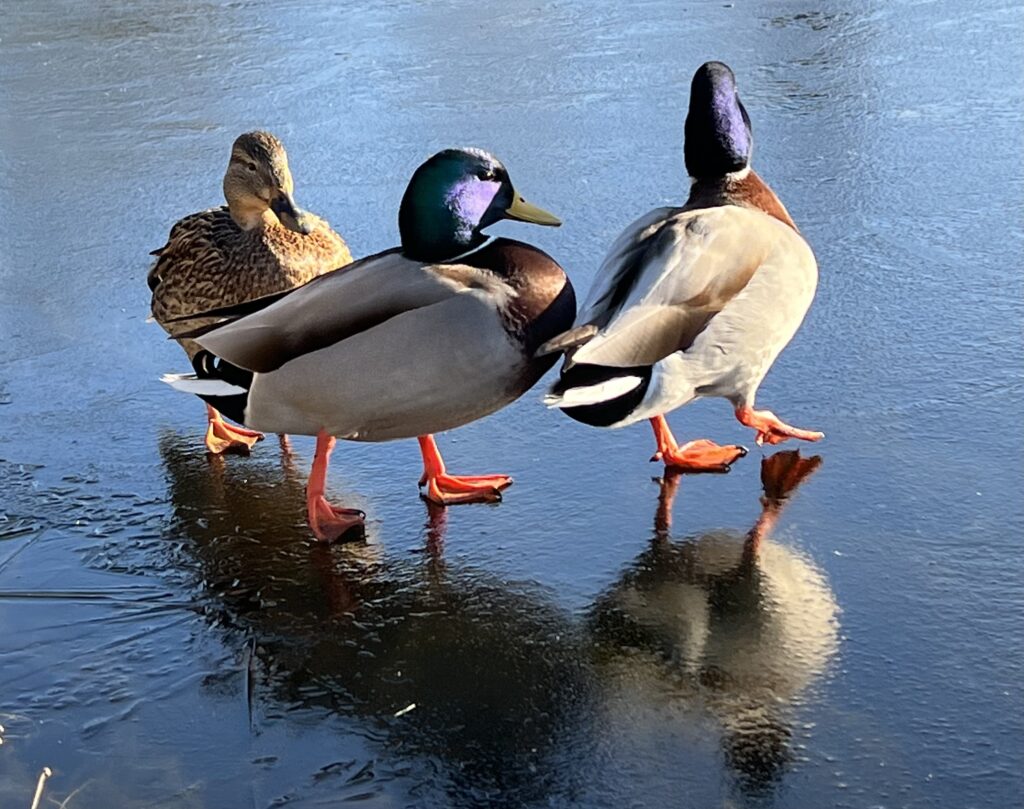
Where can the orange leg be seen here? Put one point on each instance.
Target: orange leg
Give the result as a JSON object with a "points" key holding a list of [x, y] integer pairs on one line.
{"points": [[694, 456], [328, 523], [771, 429], [445, 489], [222, 437]]}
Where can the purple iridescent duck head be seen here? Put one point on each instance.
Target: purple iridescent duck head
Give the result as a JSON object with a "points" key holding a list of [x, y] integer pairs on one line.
{"points": [[455, 195], [718, 135]]}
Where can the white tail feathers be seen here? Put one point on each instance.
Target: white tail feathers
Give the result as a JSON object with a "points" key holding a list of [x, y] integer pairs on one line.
{"points": [[593, 394], [190, 383]]}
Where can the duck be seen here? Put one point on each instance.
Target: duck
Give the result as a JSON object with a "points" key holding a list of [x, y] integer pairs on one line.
{"points": [[416, 340], [693, 301], [259, 243]]}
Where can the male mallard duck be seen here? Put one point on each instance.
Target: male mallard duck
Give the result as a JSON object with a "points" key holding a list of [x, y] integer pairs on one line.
{"points": [[409, 342], [259, 244], [693, 301]]}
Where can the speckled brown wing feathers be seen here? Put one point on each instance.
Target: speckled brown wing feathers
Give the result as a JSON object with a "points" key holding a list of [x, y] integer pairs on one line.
{"points": [[209, 262]]}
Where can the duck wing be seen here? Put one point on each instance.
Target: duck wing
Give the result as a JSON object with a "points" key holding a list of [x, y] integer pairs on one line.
{"points": [[668, 277], [196, 245], [621, 269], [263, 335]]}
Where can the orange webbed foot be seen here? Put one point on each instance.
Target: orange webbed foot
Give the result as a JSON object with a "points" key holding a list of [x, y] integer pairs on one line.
{"points": [[445, 489], [330, 523], [701, 455], [222, 438], [771, 429]]}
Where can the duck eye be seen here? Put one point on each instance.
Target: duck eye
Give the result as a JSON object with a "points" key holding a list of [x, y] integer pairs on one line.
{"points": [[251, 167], [487, 175]]}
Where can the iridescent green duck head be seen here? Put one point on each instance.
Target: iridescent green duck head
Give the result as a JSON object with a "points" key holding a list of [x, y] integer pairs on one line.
{"points": [[452, 197], [258, 180]]}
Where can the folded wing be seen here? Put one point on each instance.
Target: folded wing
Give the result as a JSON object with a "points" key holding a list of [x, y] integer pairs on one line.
{"points": [[667, 277], [336, 306]]}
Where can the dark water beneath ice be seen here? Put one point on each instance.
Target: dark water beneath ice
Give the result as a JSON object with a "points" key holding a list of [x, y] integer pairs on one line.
{"points": [[169, 638]]}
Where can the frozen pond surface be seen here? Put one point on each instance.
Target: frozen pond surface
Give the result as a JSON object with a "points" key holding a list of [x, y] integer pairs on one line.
{"points": [[169, 637]]}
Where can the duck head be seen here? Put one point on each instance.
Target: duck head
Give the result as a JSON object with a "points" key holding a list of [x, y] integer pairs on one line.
{"points": [[455, 195], [718, 135], [258, 180]]}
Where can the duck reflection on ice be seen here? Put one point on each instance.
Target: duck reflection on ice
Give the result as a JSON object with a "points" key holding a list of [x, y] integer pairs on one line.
{"points": [[738, 625], [494, 668]]}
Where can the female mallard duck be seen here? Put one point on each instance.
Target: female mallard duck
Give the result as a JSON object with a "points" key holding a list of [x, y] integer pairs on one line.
{"points": [[259, 244], [693, 301], [409, 342]]}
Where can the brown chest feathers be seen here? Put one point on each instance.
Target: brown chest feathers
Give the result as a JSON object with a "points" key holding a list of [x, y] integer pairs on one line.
{"points": [[749, 191]]}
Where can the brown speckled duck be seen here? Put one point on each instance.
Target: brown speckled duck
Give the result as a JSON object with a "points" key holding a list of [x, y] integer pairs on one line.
{"points": [[257, 245]]}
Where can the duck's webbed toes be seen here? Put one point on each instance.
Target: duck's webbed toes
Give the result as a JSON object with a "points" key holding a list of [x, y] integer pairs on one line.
{"points": [[771, 429], [445, 489], [701, 455], [330, 523], [222, 437]]}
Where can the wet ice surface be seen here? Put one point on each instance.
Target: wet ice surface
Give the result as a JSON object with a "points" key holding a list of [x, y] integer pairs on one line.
{"points": [[169, 637]]}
